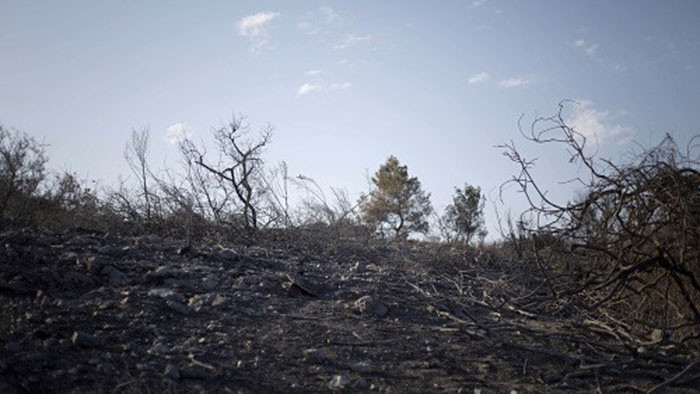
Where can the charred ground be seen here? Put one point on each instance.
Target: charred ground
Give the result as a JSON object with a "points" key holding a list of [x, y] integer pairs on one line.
{"points": [[306, 311]]}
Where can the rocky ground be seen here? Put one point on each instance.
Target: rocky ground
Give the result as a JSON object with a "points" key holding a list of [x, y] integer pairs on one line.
{"points": [[100, 313]]}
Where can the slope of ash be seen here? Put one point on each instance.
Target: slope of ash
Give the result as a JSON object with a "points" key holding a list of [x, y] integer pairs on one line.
{"points": [[106, 313]]}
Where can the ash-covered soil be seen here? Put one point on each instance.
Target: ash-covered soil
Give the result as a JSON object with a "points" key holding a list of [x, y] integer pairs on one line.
{"points": [[101, 313]]}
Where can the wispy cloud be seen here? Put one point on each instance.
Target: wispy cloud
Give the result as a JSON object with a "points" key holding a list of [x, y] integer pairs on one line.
{"points": [[255, 28], [339, 86], [176, 133], [308, 88], [477, 3], [352, 40], [313, 72], [595, 124], [320, 21], [479, 78], [513, 83], [330, 16], [590, 49]]}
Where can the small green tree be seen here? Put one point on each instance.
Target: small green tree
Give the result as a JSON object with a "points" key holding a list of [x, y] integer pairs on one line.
{"points": [[397, 203], [465, 216]]}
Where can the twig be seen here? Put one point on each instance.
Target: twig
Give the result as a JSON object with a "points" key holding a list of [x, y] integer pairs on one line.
{"points": [[674, 379], [366, 343]]}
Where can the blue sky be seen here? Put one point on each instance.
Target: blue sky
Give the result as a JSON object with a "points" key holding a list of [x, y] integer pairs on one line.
{"points": [[348, 83]]}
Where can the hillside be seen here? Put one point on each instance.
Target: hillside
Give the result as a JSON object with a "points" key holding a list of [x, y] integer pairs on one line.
{"points": [[95, 312]]}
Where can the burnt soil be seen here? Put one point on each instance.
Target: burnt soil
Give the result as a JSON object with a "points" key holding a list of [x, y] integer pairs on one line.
{"points": [[106, 313]]}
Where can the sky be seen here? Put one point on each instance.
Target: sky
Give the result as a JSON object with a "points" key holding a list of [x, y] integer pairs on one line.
{"points": [[346, 84]]}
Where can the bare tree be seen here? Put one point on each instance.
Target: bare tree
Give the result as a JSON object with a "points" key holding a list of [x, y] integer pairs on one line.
{"points": [[211, 194], [136, 155], [277, 186], [241, 166]]}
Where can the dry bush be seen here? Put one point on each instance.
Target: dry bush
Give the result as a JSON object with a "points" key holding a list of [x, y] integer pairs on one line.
{"points": [[67, 204], [632, 235], [22, 171]]}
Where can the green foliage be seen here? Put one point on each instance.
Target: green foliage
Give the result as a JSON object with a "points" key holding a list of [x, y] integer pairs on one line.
{"points": [[465, 216], [397, 203]]}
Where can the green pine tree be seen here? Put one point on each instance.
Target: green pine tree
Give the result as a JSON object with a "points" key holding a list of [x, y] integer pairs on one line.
{"points": [[397, 204]]}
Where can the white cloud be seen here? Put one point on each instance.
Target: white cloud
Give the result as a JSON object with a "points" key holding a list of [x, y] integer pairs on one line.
{"points": [[339, 86], [352, 40], [308, 88], [313, 72], [255, 27], [477, 3], [589, 49], [176, 133], [513, 83], [479, 78], [594, 124]]}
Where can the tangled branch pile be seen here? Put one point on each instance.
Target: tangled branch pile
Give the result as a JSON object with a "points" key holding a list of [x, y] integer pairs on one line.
{"points": [[632, 239]]}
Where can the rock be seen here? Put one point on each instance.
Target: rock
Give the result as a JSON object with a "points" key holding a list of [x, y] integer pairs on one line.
{"points": [[115, 276], [227, 255], [105, 368], [94, 264], [162, 273], [656, 335], [316, 356], [219, 300], [338, 382], [113, 251], [13, 347], [194, 371], [172, 372], [200, 301], [361, 384], [183, 251], [83, 339], [188, 284], [359, 267], [178, 307], [361, 367], [210, 282], [158, 348], [297, 286], [256, 251], [167, 294], [368, 305]]}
